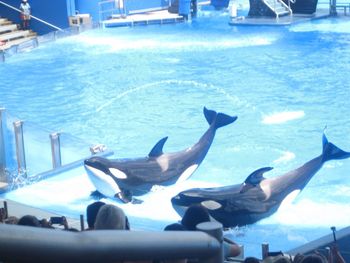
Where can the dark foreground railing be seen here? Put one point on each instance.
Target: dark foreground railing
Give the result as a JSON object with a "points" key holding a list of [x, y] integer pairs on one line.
{"points": [[31, 244]]}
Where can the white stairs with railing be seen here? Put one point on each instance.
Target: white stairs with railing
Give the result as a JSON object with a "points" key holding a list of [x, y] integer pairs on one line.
{"points": [[11, 35], [278, 7]]}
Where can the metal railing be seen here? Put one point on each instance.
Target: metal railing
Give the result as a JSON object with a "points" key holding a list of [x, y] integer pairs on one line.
{"points": [[287, 6], [34, 17], [108, 8], [282, 3]]}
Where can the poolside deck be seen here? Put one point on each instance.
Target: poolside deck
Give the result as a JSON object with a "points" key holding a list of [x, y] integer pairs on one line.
{"points": [[147, 18], [282, 21]]}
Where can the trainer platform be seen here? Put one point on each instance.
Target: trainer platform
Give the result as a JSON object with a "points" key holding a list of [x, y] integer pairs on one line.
{"points": [[281, 21], [147, 18]]}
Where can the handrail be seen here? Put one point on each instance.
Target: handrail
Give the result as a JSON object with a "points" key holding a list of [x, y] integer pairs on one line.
{"points": [[288, 7], [34, 244], [36, 18], [274, 8]]}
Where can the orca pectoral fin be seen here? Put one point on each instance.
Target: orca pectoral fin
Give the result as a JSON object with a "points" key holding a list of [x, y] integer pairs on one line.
{"points": [[136, 201], [97, 195], [125, 197]]}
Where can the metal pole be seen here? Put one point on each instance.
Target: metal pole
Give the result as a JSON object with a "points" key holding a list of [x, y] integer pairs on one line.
{"points": [[3, 177], [265, 250], [213, 229], [55, 150], [333, 7], [20, 153], [6, 209], [82, 225]]}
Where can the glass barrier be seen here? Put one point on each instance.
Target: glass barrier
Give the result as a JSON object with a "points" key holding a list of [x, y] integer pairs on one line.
{"points": [[25, 160]]}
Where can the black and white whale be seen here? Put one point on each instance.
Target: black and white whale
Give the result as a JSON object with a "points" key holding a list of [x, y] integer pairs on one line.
{"points": [[257, 197], [123, 178]]}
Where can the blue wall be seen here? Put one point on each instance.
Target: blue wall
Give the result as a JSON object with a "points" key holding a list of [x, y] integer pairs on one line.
{"points": [[57, 12], [53, 11], [137, 4], [91, 6], [88, 7]]}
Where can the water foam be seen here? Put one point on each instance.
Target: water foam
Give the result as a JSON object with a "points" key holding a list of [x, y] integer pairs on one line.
{"points": [[309, 213], [282, 117], [115, 44]]}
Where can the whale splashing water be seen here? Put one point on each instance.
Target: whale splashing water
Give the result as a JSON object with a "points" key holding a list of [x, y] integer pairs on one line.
{"points": [[282, 117]]}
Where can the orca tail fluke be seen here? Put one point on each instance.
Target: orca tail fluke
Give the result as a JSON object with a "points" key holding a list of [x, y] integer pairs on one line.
{"points": [[332, 152], [220, 119]]}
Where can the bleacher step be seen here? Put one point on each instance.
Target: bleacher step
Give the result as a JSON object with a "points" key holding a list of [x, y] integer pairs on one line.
{"points": [[4, 21], [16, 42], [7, 28], [14, 35]]}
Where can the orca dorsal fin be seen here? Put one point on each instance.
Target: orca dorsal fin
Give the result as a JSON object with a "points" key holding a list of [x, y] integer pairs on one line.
{"points": [[157, 150], [257, 176], [254, 179]]}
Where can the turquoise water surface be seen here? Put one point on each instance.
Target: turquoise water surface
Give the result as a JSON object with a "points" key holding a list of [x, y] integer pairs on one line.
{"points": [[129, 87]]}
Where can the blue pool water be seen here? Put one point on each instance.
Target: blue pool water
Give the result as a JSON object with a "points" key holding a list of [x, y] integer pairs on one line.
{"points": [[129, 87]]}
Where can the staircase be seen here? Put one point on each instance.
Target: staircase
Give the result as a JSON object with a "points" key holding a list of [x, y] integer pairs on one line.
{"points": [[11, 35], [278, 7]]}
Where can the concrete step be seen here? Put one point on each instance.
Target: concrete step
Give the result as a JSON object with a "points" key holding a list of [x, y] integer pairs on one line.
{"points": [[7, 28]]}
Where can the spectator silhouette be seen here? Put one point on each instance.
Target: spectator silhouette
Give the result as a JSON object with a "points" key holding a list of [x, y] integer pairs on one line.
{"points": [[280, 258], [11, 220], [110, 217], [251, 260], [29, 220], [175, 227], [196, 214], [91, 213], [313, 258], [335, 254]]}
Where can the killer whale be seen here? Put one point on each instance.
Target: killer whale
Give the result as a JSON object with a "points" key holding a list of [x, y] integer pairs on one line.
{"points": [[257, 197], [125, 178]]}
